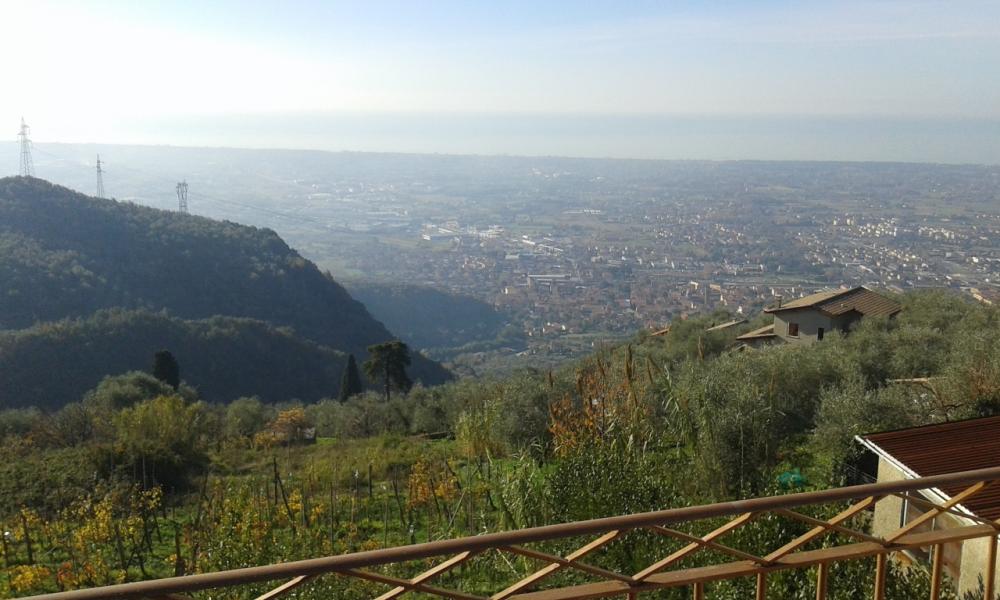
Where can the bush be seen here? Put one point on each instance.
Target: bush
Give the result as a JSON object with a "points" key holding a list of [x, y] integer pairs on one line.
{"points": [[161, 440]]}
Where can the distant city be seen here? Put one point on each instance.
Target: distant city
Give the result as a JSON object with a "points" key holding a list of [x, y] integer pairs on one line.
{"points": [[579, 252]]}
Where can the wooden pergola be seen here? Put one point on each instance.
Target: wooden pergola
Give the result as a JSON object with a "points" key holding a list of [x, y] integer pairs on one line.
{"points": [[661, 572]]}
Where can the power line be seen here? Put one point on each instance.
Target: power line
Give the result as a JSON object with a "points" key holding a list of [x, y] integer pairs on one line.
{"points": [[260, 209], [201, 197], [100, 178], [319, 222], [27, 166]]}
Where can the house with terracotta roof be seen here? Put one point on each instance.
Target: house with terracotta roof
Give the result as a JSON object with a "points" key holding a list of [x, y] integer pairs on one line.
{"points": [[806, 320], [937, 450]]}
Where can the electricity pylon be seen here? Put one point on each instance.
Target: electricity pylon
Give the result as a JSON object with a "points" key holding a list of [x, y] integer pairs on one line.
{"points": [[182, 196], [100, 178], [27, 166]]}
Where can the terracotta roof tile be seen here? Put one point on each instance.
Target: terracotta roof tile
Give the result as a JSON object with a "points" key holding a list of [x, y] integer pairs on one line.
{"points": [[807, 301], [838, 302]]}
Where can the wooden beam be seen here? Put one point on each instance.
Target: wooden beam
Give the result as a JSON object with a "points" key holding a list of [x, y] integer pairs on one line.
{"points": [[552, 567], [708, 544], [761, 586], [428, 575], [668, 532], [489, 541], [880, 567], [576, 564], [420, 587], [698, 593], [286, 587], [922, 502], [822, 574], [990, 578], [820, 529], [864, 537], [934, 512], [936, 564], [676, 556], [796, 560]]}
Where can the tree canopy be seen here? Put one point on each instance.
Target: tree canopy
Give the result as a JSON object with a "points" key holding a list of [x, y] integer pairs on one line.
{"points": [[387, 363]]}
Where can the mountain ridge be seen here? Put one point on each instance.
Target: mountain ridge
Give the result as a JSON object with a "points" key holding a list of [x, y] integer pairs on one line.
{"points": [[66, 255]]}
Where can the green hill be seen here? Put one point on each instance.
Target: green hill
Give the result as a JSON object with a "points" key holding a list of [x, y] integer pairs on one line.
{"points": [[66, 255], [52, 364], [415, 313]]}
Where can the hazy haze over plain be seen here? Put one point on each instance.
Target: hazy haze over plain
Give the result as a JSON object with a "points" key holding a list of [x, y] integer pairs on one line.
{"points": [[875, 80]]}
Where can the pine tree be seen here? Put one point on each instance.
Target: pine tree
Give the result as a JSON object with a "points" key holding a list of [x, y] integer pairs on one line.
{"points": [[166, 369], [387, 362], [350, 381]]}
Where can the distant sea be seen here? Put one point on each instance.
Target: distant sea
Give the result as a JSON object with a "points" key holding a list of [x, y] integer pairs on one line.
{"points": [[658, 137]]}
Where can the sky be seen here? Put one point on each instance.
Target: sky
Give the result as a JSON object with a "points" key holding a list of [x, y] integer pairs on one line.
{"points": [[566, 77]]}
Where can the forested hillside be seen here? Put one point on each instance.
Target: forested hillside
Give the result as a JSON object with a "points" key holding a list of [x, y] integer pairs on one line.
{"points": [[63, 254], [185, 486], [469, 336], [52, 364], [426, 317]]}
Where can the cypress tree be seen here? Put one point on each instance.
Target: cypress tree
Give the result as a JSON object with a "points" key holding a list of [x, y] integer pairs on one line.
{"points": [[350, 381], [166, 369]]}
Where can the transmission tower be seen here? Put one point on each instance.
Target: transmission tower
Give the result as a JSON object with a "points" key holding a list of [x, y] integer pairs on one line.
{"points": [[100, 178], [27, 166], [182, 196]]}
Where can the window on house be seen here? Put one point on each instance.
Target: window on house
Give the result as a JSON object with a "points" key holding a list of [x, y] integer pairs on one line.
{"points": [[793, 329], [819, 333]]}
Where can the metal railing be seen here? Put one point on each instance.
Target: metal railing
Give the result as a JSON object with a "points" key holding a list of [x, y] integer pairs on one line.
{"points": [[661, 571]]}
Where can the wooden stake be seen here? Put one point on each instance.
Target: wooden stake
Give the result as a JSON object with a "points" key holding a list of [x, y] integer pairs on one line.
{"points": [[280, 486], [178, 557], [6, 550], [27, 538], [274, 461]]}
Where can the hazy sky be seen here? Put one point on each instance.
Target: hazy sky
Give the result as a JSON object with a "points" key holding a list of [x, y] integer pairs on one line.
{"points": [[111, 71]]}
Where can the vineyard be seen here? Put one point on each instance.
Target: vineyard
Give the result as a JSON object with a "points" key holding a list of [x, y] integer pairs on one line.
{"points": [[130, 535]]}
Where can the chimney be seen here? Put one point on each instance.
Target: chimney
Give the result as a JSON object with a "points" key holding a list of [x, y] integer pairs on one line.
{"points": [[779, 297]]}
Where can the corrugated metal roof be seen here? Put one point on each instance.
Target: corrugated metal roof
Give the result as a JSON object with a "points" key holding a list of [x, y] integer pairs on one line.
{"points": [[838, 302], [950, 448], [763, 332]]}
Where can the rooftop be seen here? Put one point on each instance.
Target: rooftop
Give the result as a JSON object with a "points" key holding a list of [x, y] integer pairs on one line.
{"points": [[764, 332], [948, 448], [727, 325], [838, 302]]}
